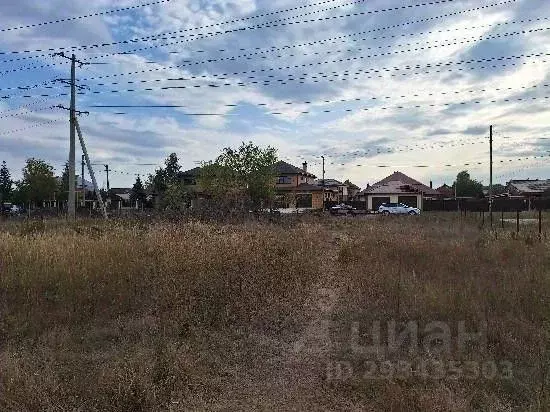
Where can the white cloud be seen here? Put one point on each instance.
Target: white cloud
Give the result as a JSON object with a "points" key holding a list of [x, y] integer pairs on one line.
{"points": [[147, 136]]}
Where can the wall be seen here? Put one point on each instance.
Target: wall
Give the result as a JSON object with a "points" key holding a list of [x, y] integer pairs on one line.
{"points": [[317, 200]]}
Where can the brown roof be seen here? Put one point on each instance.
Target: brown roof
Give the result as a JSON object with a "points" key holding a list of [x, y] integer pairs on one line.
{"points": [[392, 187], [403, 179], [284, 168]]}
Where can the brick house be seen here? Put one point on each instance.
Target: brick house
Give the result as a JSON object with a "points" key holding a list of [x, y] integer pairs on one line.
{"points": [[397, 188], [296, 188]]}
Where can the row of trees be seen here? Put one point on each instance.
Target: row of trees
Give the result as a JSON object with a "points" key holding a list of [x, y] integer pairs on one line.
{"points": [[38, 183]]}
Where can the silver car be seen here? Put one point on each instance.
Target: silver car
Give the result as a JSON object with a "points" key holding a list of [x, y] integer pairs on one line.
{"points": [[397, 209]]}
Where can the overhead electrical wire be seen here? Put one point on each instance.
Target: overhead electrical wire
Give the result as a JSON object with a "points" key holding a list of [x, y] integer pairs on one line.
{"points": [[8, 132], [330, 40], [345, 75], [306, 74], [250, 56], [26, 112], [159, 36], [66, 19], [184, 65]]}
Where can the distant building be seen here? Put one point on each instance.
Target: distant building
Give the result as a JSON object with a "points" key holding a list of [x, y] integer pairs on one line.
{"points": [[446, 191], [528, 187], [335, 191], [296, 188], [397, 188]]}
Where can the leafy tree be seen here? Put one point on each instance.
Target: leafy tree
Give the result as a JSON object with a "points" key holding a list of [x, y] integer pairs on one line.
{"points": [[38, 183], [248, 169], [6, 184], [159, 181], [177, 197], [466, 186], [138, 192], [172, 169]]}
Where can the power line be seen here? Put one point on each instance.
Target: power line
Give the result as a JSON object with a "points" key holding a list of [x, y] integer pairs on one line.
{"points": [[323, 76], [29, 26], [334, 40], [75, 48], [419, 106], [344, 75], [481, 38], [177, 66], [267, 24], [27, 111], [29, 127]]}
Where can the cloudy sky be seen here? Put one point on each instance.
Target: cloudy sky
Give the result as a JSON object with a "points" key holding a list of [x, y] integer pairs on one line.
{"points": [[375, 86]]}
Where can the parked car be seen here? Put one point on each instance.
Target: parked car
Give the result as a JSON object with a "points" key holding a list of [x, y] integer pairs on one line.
{"points": [[397, 209], [6, 208], [342, 209], [15, 210]]}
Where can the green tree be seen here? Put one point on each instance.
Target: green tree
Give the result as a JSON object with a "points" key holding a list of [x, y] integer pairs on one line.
{"points": [[38, 183], [6, 183], [248, 169], [466, 186], [159, 181], [138, 192], [177, 197], [172, 169]]}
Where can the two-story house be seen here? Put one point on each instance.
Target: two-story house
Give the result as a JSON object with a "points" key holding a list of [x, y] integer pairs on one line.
{"points": [[296, 188]]}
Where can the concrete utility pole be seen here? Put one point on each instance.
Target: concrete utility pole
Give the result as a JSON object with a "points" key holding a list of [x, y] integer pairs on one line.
{"points": [[491, 174], [72, 145], [323, 157], [71, 207], [107, 172], [82, 180]]}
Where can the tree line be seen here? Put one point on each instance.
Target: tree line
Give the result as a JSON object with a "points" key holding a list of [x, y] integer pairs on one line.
{"points": [[239, 173]]}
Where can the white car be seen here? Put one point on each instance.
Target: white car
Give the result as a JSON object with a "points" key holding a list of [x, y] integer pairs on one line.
{"points": [[397, 209]]}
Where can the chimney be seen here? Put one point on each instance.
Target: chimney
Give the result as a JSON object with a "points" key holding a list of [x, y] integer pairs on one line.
{"points": [[304, 166], [431, 187]]}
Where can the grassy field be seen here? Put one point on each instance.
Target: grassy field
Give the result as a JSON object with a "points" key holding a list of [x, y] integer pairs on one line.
{"points": [[130, 316]]}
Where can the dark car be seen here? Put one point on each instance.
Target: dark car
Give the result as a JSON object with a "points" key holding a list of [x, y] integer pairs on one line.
{"points": [[342, 209]]}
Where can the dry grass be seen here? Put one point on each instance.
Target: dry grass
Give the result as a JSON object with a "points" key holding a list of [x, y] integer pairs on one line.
{"points": [[165, 316]]}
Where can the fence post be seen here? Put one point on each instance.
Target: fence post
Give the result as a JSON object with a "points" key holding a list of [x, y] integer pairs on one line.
{"points": [[540, 224], [482, 218], [517, 221], [502, 218]]}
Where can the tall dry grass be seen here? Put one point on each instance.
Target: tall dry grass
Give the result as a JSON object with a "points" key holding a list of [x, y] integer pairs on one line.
{"points": [[133, 315], [98, 317], [444, 269]]}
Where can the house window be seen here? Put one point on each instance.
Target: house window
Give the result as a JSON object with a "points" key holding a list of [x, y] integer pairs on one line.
{"points": [[284, 180]]}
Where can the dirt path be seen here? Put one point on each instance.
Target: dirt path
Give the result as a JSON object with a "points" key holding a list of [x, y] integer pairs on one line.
{"points": [[295, 379]]}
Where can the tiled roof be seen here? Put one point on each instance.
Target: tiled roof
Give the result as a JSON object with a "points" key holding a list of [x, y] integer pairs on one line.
{"points": [[284, 168], [329, 182], [530, 186], [405, 180], [392, 187]]}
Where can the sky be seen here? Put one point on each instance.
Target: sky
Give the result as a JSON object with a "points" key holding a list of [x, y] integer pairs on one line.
{"points": [[374, 86]]}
